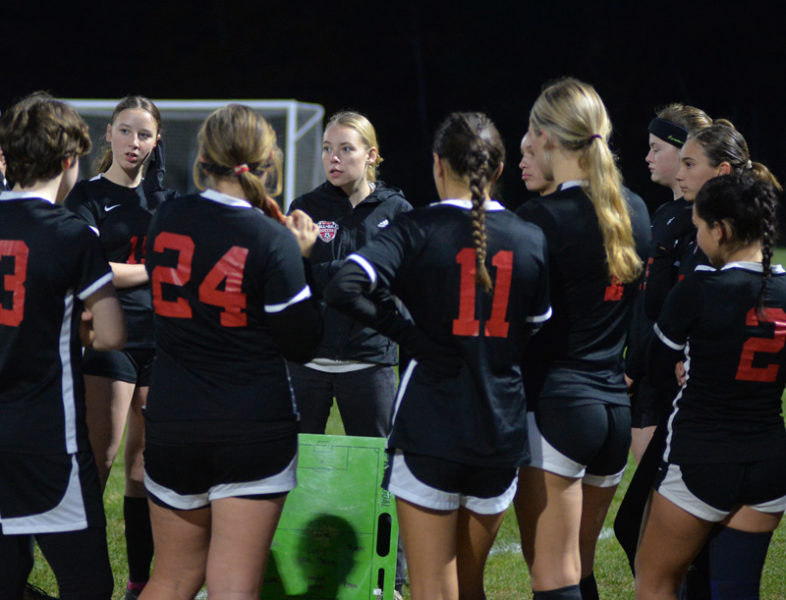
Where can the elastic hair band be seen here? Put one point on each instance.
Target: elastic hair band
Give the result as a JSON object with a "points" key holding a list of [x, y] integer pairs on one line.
{"points": [[749, 165], [596, 135], [669, 132], [256, 169], [241, 169]]}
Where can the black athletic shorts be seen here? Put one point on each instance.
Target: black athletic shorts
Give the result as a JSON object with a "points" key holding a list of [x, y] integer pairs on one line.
{"points": [[190, 476], [712, 491], [49, 493], [132, 366], [588, 442], [442, 484], [651, 405]]}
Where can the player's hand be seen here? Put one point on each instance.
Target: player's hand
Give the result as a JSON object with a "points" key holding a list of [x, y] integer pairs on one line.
{"points": [[86, 333], [679, 372], [304, 230]]}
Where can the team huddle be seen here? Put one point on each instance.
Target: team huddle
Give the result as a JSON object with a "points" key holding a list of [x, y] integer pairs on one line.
{"points": [[536, 349]]}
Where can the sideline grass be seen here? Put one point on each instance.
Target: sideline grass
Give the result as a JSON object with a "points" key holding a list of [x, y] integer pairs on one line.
{"points": [[506, 575]]}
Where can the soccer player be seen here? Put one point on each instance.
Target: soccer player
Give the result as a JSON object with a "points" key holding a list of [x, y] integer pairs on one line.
{"points": [[725, 455], [579, 419], [474, 279], [55, 290], [116, 205], [231, 304]]}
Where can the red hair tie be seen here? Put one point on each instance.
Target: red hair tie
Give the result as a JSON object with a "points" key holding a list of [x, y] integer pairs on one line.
{"points": [[240, 169]]}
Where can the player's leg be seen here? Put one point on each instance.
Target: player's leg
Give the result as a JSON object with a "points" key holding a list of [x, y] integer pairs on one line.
{"points": [[106, 401], [429, 538], [80, 562], [365, 400], [548, 508], [181, 539], [313, 395], [138, 533], [16, 562], [476, 534], [671, 539], [604, 472], [241, 534]]}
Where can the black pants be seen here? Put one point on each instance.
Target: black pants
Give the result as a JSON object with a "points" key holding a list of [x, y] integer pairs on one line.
{"points": [[79, 560]]}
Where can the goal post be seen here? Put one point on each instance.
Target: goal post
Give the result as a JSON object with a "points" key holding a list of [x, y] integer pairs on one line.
{"points": [[298, 127]]}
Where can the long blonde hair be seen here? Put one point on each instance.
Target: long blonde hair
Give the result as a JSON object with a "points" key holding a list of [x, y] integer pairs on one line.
{"points": [[573, 114]]}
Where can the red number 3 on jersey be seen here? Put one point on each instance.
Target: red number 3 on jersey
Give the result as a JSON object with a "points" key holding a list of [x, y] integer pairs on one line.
{"points": [[14, 282], [769, 345], [229, 269]]}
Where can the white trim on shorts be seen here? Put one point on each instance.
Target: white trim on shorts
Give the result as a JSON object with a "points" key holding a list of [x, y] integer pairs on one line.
{"points": [[403, 484], [68, 515], [546, 457], [283, 481], [673, 488]]}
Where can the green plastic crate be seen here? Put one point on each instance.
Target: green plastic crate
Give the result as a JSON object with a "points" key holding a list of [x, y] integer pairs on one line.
{"points": [[338, 532]]}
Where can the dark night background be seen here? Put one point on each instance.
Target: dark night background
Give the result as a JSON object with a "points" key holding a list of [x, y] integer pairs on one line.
{"points": [[407, 64]]}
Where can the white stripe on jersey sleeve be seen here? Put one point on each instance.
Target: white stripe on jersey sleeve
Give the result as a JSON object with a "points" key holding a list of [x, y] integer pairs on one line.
{"points": [[662, 337], [95, 286], [303, 294], [540, 318], [366, 266]]}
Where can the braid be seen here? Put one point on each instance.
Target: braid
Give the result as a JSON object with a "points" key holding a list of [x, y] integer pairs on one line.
{"points": [[768, 233], [477, 185]]}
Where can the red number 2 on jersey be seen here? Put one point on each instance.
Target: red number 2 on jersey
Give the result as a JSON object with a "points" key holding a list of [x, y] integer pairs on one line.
{"points": [[14, 282], [769, 345], [466, 323], [228, 269]]}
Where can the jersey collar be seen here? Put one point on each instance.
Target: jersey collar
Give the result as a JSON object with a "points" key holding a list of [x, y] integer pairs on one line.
{"points": [[756, 267], [569, 184], [22, 196], [211, 194], [467, 204]]}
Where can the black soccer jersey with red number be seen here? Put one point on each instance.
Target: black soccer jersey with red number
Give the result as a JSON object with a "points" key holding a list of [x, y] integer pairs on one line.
{"points": [[221, 272], [49, 262], [730, 408], [120, 216], [577, 358], [427, 259]]}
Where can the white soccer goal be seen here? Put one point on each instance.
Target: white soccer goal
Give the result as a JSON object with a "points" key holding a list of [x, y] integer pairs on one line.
{"points": [[298, 127]]}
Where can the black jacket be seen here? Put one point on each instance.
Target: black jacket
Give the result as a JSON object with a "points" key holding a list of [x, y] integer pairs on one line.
{"points": [[342, 230]]}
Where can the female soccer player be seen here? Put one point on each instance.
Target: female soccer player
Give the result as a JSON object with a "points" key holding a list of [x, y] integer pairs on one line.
{"points": [[116, 206], [51, 268], [231, 303], [354, 364], [475, 282], [579, 424], [531, 173], [724, 460]]}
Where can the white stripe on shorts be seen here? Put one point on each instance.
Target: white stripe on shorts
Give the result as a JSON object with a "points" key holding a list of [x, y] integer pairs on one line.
{"points": [[283, 481], [403, 484]]}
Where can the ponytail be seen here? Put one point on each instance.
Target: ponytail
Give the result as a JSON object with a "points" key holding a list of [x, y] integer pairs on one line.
{"points": [[234, 141], [611, 209], [574, 115]]}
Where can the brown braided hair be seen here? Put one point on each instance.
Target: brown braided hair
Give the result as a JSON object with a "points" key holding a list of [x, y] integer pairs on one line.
{"points": [[747, 204], [473, 148]]}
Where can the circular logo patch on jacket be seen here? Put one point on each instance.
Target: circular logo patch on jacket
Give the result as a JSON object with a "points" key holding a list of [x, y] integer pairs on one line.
{"points": [[327, 230]]}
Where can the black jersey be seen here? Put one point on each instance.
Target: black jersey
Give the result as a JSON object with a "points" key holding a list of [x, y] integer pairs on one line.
{"points": [[673, 254], [577, 358], [226, 282], [730, 408], [427, 259], [120, 216], [49, 261]]}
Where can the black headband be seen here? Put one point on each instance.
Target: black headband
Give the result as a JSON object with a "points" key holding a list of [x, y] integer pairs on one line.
{"points": [[667, 131]]}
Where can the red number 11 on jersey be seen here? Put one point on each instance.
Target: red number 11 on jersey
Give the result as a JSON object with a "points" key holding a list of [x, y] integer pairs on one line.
{"points": [[467, 323]]}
